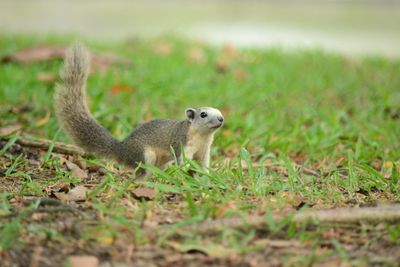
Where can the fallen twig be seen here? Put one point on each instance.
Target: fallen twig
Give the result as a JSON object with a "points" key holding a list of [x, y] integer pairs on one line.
{"points": [[389, 213], [46, 144], [278, 243], [281, 169], [44, 201], [26, 213], [54, 206]]}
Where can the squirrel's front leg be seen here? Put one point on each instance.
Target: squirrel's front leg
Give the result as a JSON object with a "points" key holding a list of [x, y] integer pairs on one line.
{"points": [[205, 159], [179, 160]]}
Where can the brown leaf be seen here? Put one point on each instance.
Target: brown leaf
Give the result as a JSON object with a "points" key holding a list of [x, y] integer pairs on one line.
{"points": [[22, 108], [377, 164], [221, 66], [7, 130], [232, 151], [46, 53], [76, 172], [240, 74], [81, 163], [103, 62], [83, 261], [196, 55], [61, 196], [330, 234], [228, 51], [144, 193], [163, 48], [36, 256], [44, 120], [225, 59], [291, 199], [226, 207], [34, 54], [120, 88], [60, 186], [96, 168], [76, 194]]}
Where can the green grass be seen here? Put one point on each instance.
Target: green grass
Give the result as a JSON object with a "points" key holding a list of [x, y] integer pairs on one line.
{"points": [[286, 112]]}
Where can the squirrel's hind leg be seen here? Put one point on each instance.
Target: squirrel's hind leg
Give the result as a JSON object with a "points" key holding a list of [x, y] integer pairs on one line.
{"points": [[150, 157], [142, 174]]}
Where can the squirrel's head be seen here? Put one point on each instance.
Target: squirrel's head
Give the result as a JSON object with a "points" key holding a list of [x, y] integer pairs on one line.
{"points": [[205, 120]]}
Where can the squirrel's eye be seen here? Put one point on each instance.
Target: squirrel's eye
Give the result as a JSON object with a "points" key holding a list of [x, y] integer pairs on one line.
{"points": [[203, 114]]}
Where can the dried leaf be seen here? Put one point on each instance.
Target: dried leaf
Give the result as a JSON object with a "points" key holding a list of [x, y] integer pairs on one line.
{"points": [[120, 88], [144, 193], [163, 48], [231, 151], [291, 199], [225, 59], [196, 55], [60, 186], [44, 120], [221, 66], [35, 54], [103, 62], [377, 164], [22, 108], [330, 234], [228, 51], [80, 261], [76, 194], [7, 130], [76, 172], [46, 53], [36, 256], [240, 74], [81, 163], [226, 207], [96, 168], [61, 196]]}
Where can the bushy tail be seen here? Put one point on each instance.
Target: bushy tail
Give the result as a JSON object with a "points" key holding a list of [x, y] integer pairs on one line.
{"points": [[72, 110]]}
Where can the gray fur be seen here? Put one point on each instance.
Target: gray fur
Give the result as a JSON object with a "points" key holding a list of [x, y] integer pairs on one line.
{"points": [[71, 108], [163, 134], [154, 138]]}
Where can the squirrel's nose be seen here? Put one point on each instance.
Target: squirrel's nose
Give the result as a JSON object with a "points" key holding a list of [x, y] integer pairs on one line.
{"points": [[221, 119]]}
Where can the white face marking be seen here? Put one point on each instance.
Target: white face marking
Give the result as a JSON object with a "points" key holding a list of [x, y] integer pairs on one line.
{"points": [[205, 120]]}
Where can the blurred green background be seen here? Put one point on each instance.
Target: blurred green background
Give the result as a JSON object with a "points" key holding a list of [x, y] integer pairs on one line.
{"points": [[351, 27]]}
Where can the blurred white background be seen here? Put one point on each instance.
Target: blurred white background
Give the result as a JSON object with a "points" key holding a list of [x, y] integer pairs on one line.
{"points": [[351, 27]]}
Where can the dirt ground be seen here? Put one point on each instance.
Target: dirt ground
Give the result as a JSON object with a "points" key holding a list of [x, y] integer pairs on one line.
{"points": [[59, 231]]}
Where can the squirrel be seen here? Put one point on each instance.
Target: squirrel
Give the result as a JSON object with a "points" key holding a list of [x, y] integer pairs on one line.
{"points": [[158, 142]]}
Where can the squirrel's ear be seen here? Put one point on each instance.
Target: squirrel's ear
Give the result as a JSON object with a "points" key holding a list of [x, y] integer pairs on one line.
{"points": [[190, 112]]}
